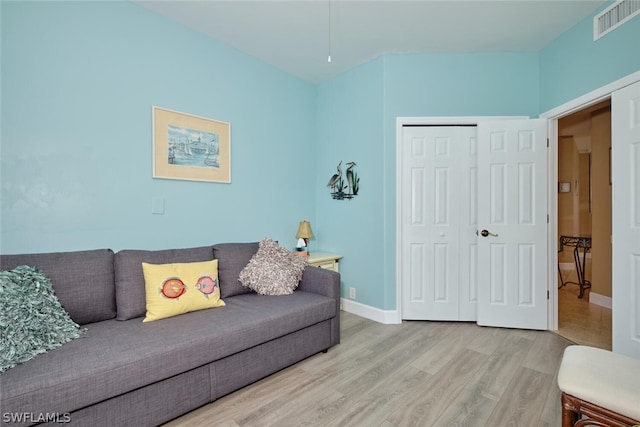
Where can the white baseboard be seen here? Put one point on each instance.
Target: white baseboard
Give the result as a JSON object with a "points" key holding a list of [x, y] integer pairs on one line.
{"points": [[601, 300], [387, 317]]}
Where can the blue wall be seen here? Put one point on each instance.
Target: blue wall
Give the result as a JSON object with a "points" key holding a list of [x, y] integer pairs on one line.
{"points": [[79, 80], [573, 64], [351, 128], [474, 84], [357, 121], [78, 83]]}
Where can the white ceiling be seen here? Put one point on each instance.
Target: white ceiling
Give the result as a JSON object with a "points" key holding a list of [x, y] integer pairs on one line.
{"points": [[298, 35]]}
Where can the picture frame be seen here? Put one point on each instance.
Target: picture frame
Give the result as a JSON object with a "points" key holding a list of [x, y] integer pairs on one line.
{"points": [[189, 147]]}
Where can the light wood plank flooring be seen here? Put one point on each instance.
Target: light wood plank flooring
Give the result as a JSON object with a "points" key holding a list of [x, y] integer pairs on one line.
{"points": [[412, 374]]}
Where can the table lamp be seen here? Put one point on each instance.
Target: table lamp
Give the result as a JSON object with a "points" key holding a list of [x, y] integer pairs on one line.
{"points": [[304, 232]]}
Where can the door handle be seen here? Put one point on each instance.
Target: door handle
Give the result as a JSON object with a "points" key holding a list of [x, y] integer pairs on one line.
{"points": [[486, 233]]}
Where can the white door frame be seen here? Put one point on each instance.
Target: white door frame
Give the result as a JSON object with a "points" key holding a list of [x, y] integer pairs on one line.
{"points": [[425, 121], [553, 116]]}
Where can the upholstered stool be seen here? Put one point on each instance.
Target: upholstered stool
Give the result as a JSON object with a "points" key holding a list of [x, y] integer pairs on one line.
{"points": [[601, 386]]}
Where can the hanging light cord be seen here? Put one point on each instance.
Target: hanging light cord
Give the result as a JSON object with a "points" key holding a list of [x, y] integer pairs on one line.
{"points": [[329, 57]]}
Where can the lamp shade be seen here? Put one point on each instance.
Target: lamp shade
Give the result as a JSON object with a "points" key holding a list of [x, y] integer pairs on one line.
{"points": [[304, 230]]}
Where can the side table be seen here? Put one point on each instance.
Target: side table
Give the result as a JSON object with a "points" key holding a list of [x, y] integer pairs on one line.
{"points": [[578, 242], [327, 260]]}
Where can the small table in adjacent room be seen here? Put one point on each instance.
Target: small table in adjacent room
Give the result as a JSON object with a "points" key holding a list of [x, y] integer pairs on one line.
{"points": [[578, 242]]}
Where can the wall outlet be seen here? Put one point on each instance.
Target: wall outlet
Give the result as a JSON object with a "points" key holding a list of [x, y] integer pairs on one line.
{"points": [[352, 293]]}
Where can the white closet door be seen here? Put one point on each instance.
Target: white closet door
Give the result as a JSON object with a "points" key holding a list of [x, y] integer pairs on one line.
{"points": [[625, 152], [512, 208], [468, 240], [433, 206]]}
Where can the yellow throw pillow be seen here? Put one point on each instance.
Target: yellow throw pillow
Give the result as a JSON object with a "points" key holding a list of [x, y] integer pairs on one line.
{"points": [[179, 288]]}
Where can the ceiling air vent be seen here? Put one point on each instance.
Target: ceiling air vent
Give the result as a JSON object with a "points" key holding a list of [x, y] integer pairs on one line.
{"points": [[614, 16]]}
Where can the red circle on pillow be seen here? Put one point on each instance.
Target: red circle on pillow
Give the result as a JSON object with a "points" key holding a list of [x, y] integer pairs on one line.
{"points": [[173, 288]]}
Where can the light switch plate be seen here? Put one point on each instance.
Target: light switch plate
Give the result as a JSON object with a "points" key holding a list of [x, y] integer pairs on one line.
{"points": [[564, 187], [157, 206]]}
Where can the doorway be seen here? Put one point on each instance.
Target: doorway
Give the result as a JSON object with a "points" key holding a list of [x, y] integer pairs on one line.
{"points": [[584, 226]]}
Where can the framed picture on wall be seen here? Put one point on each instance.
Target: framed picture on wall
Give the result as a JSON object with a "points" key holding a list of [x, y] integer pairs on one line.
{"points": [[189, 147]]}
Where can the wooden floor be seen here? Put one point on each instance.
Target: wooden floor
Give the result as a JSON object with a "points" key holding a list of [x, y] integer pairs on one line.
{"points": [[412, 374]]}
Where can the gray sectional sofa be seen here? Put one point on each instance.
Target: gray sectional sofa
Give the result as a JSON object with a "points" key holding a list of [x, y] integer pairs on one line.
{"points": [[123, 372]]}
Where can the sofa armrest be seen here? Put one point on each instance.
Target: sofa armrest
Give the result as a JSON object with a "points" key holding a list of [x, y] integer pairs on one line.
{"points": [[321, 281], [327, 283]]}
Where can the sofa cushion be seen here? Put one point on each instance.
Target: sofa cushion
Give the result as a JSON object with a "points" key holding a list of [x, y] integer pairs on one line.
{"points": [[273, 270], [232, 258], [32, 319], [83, 280], [179, 288], [107, 361], [129, 279]]}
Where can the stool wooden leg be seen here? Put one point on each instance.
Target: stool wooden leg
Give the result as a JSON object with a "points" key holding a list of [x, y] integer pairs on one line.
{"points": [[573, 410], [569, 411]]}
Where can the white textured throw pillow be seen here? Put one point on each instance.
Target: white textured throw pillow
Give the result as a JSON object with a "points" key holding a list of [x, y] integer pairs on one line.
{"points": [[273, 270]]}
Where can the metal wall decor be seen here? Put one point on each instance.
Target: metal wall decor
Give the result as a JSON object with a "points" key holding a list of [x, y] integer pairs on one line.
{"points": [[341, 189]]}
